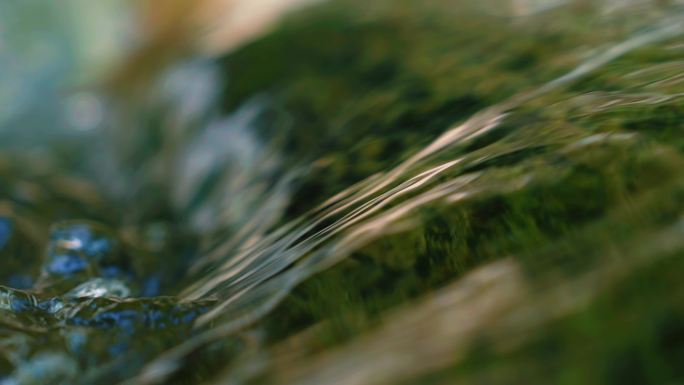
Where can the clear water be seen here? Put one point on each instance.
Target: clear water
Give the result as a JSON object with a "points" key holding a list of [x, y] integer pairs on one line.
{"points": [[371, 193]]}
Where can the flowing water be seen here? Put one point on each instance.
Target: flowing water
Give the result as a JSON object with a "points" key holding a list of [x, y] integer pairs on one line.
{"points": [[390, 192]]}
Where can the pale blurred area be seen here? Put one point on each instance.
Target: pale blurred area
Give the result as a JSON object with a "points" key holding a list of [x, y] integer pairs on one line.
{"points": [[47, 49], [234, 22], [54, 55]]}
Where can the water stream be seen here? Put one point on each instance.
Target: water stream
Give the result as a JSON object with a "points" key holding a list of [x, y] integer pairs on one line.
{"points": [[365, 185]]}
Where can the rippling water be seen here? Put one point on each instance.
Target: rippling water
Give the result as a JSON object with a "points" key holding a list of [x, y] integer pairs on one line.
{"points": [[414, 191]]}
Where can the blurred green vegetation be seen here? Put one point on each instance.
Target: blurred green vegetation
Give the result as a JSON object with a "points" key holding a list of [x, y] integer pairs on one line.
{"points": [[360, 90]]}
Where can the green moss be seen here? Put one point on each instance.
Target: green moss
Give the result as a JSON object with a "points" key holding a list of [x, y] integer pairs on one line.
{"points": [[632, 334], [359, 89]]}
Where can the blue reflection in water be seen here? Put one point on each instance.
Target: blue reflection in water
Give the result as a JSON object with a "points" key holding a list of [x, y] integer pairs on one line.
{"points": [[151, 286], [82, 238], [130, 321], [20, 281], [117, 349], [66, 264], [5, 231]]}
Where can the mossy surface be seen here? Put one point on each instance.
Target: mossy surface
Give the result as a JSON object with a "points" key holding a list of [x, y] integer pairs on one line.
{"points": [[361, 91]]}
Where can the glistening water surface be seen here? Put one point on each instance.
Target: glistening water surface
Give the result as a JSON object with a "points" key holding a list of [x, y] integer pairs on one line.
{"points": [[390, 192]]}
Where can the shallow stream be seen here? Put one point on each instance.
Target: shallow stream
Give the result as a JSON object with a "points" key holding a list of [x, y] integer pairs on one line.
{"points": [[389, 192]]}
